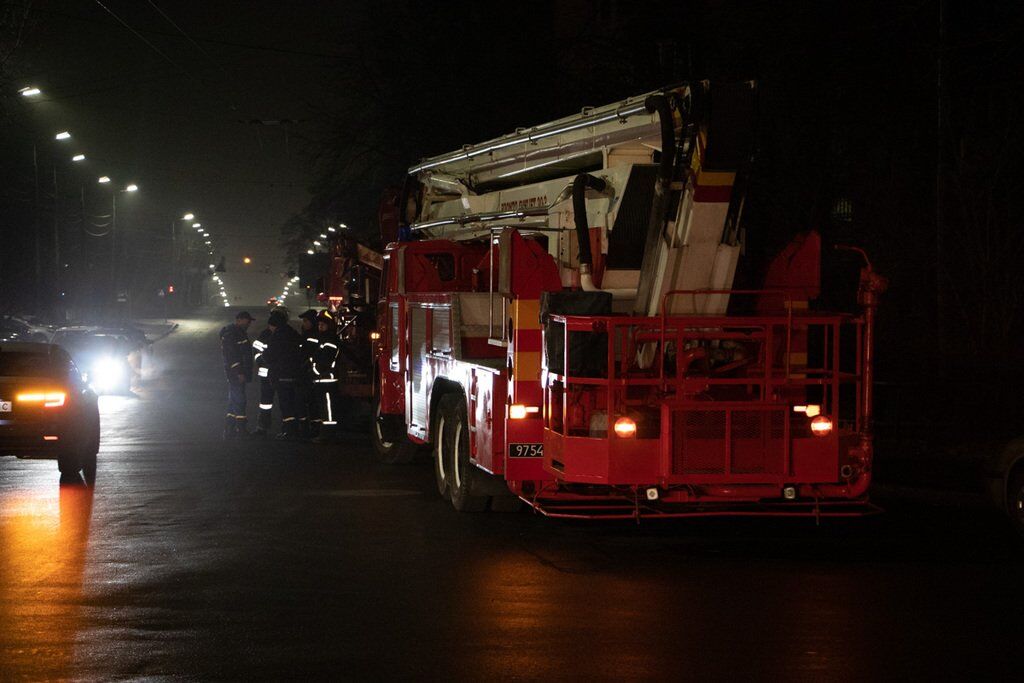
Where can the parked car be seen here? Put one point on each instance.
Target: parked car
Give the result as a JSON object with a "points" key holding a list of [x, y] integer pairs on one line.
{"points": [[47, 410], [17, 329], [1005, 477], [103, 358]]}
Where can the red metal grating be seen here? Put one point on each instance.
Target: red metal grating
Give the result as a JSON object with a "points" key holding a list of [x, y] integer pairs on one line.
{"points": [[756, 443], [699, 438]]}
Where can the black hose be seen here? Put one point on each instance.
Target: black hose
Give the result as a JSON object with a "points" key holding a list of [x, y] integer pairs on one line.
{"points": [[579, 212]]}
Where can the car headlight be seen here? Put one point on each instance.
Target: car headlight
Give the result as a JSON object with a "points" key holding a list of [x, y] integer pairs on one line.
{"points": [[106, 374]]}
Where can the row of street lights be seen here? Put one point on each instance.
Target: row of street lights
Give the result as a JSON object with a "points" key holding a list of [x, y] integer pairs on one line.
{"points": [[324, 236], [64, 135], [188, 219]]}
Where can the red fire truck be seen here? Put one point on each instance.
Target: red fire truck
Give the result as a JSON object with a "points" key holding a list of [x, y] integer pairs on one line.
{"points": [[559, 327]]}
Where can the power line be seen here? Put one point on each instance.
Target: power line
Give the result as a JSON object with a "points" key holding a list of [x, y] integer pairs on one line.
{"points": [[139, 36]]}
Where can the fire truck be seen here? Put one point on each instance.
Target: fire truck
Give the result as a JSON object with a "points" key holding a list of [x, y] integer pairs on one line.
{"points": [[558, 327], [349, 289]]}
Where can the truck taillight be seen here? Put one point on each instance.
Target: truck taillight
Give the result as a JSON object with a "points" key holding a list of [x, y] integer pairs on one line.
{"points": [[625, 428], [821, 426]]}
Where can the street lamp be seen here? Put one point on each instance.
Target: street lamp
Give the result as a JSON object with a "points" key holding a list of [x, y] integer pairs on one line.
{"points": [[63, 135], [78, 157], [30, 91], [104, 180], [197, 226], [188, 216], [132, 187]]}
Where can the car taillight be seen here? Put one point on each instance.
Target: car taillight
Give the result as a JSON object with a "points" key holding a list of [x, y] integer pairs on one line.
{"points": [[625, 428], [49, 399], [821, 426]]}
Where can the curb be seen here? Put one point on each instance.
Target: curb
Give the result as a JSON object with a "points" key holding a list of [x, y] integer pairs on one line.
{"points": [[165, 334]]}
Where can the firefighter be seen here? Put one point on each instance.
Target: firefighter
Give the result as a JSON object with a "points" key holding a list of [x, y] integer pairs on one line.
{"points": [[284, 365], [234, 345], [266, 388], [325, 373], [308, 399]]}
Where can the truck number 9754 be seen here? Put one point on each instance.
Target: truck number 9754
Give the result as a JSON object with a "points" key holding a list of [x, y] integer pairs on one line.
{"points": [[526, 450]]}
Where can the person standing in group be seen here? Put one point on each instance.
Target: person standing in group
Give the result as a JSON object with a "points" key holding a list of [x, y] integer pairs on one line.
{"points": [[284, 365], [308, 399], [234, 346], [325, 372], [266, 388]]}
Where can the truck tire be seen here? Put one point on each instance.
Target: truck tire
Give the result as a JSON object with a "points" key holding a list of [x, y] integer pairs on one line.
{"points": [[441, 457], [462, 473], [392, 448]]}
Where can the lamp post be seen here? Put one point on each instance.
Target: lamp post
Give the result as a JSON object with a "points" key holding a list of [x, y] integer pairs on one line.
{"points": [[37, 238], [130, 188]]}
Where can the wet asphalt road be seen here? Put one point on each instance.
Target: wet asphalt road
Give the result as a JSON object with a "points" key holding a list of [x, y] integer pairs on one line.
{"points": [[194, 559]]}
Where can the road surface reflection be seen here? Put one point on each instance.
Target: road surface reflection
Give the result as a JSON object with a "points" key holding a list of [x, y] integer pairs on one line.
{"points": [[44, 534]]}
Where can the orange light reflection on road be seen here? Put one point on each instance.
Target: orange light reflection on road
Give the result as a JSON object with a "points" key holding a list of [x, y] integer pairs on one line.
{"points": [[43, 539]]}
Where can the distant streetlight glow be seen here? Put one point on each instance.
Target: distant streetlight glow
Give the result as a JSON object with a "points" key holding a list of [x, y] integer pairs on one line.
{"points": [[213, 265], [323, 236], [104, 179], [330, 229], [132, 187], [30, 91], [207, 241], [63, 135], [309, 251], [188, 216], [315, 243], [342, 225], [247, 260], [78, 157]]}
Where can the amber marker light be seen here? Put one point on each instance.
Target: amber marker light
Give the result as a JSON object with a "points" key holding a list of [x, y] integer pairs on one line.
{"points": [[518, 411], [625, 428]]}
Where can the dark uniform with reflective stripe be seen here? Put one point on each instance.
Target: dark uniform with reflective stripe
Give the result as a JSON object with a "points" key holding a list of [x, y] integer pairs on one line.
{"points": [[234, 344], [266, 388], [325, 375], [284, 364], [306, 395]]}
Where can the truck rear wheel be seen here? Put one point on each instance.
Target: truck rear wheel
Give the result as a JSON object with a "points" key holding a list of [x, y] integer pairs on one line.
{"points": [[442, 470], [462, 473], [391, 444]]}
